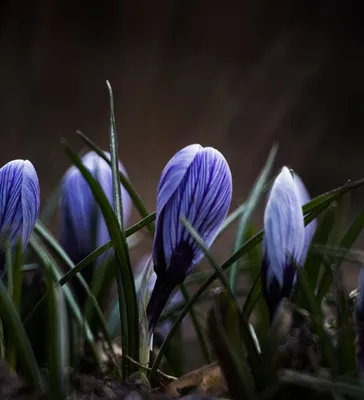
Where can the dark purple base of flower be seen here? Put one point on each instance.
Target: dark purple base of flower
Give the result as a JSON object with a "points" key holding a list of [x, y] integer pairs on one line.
{"points": [[273, 292], [158, 300]]}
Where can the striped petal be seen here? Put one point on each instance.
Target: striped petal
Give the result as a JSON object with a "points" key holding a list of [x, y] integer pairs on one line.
{"points": [[19, 201], [203, 196]]}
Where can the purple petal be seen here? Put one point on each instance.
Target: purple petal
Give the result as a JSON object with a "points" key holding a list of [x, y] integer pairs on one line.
{"points": [[203, 196], [19, 201], [283, 228], [78, 207], [359, 302], [310, 229], [173, 174]]}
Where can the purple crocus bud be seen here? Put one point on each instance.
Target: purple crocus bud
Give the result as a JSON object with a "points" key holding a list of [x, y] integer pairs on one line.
{"points": [[359, 323], [310, 229], [284, 238], [19, 204], [80, 216], [196, 183]]}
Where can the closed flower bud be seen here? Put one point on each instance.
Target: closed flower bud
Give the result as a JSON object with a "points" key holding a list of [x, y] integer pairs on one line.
{"points": [[19, 204], [83, 228], [284, 239], [196, 183]]}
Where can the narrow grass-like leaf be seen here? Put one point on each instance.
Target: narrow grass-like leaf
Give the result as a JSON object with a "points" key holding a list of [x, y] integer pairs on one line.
{"points": [[246, 332], [341, 222], [346, 242], [143, 294], [48, 262], [314, 309], [118, 202], [123, 266], [14, 327], [354, 390], [50, 240], [130, 321], [14, 263], [345, 348], [254, 299], [2, 341], [200, 335], [137, 200], [58, 339], [236, 214], [29, 267], [332, 195], [100, 250], [250, 206], [225, 336], [314, 259], [234, 257], [51, 204], [311, 209]]}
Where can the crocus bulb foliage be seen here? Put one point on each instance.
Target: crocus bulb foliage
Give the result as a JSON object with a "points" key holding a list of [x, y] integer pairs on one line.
{"points": [[196, 183], [286, 240], [83, 227], [19, 204]]}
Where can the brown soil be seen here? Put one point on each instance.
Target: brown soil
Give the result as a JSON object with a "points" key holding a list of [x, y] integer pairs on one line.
{"points": [[85, 387]]}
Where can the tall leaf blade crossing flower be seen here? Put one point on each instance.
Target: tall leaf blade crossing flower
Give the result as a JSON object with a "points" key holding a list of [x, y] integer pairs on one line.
{"points": [[284, 239], [19, 204], [196, 183], [80, 216], [359, 322]]}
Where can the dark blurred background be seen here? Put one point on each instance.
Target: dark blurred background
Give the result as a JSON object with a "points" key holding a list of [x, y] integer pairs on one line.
{"points": [[237, 75]]}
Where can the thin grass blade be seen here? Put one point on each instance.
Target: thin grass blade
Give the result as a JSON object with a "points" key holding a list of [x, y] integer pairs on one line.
{"points": [[129, 321], [48, 262], [58, 339], [137, 200], [250, 206], [14, 327]]}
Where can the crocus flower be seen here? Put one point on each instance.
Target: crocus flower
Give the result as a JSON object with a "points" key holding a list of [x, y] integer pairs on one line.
{"points": [[196, 183], [284, 239], [359, 322], [19, 204], [79, 211]]}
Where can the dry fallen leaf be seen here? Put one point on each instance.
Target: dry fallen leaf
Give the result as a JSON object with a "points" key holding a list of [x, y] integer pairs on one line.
{"points": [[208, 380]]}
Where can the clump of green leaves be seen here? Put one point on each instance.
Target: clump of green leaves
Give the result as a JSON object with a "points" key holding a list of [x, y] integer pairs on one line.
{"points": [[47, 336]]}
